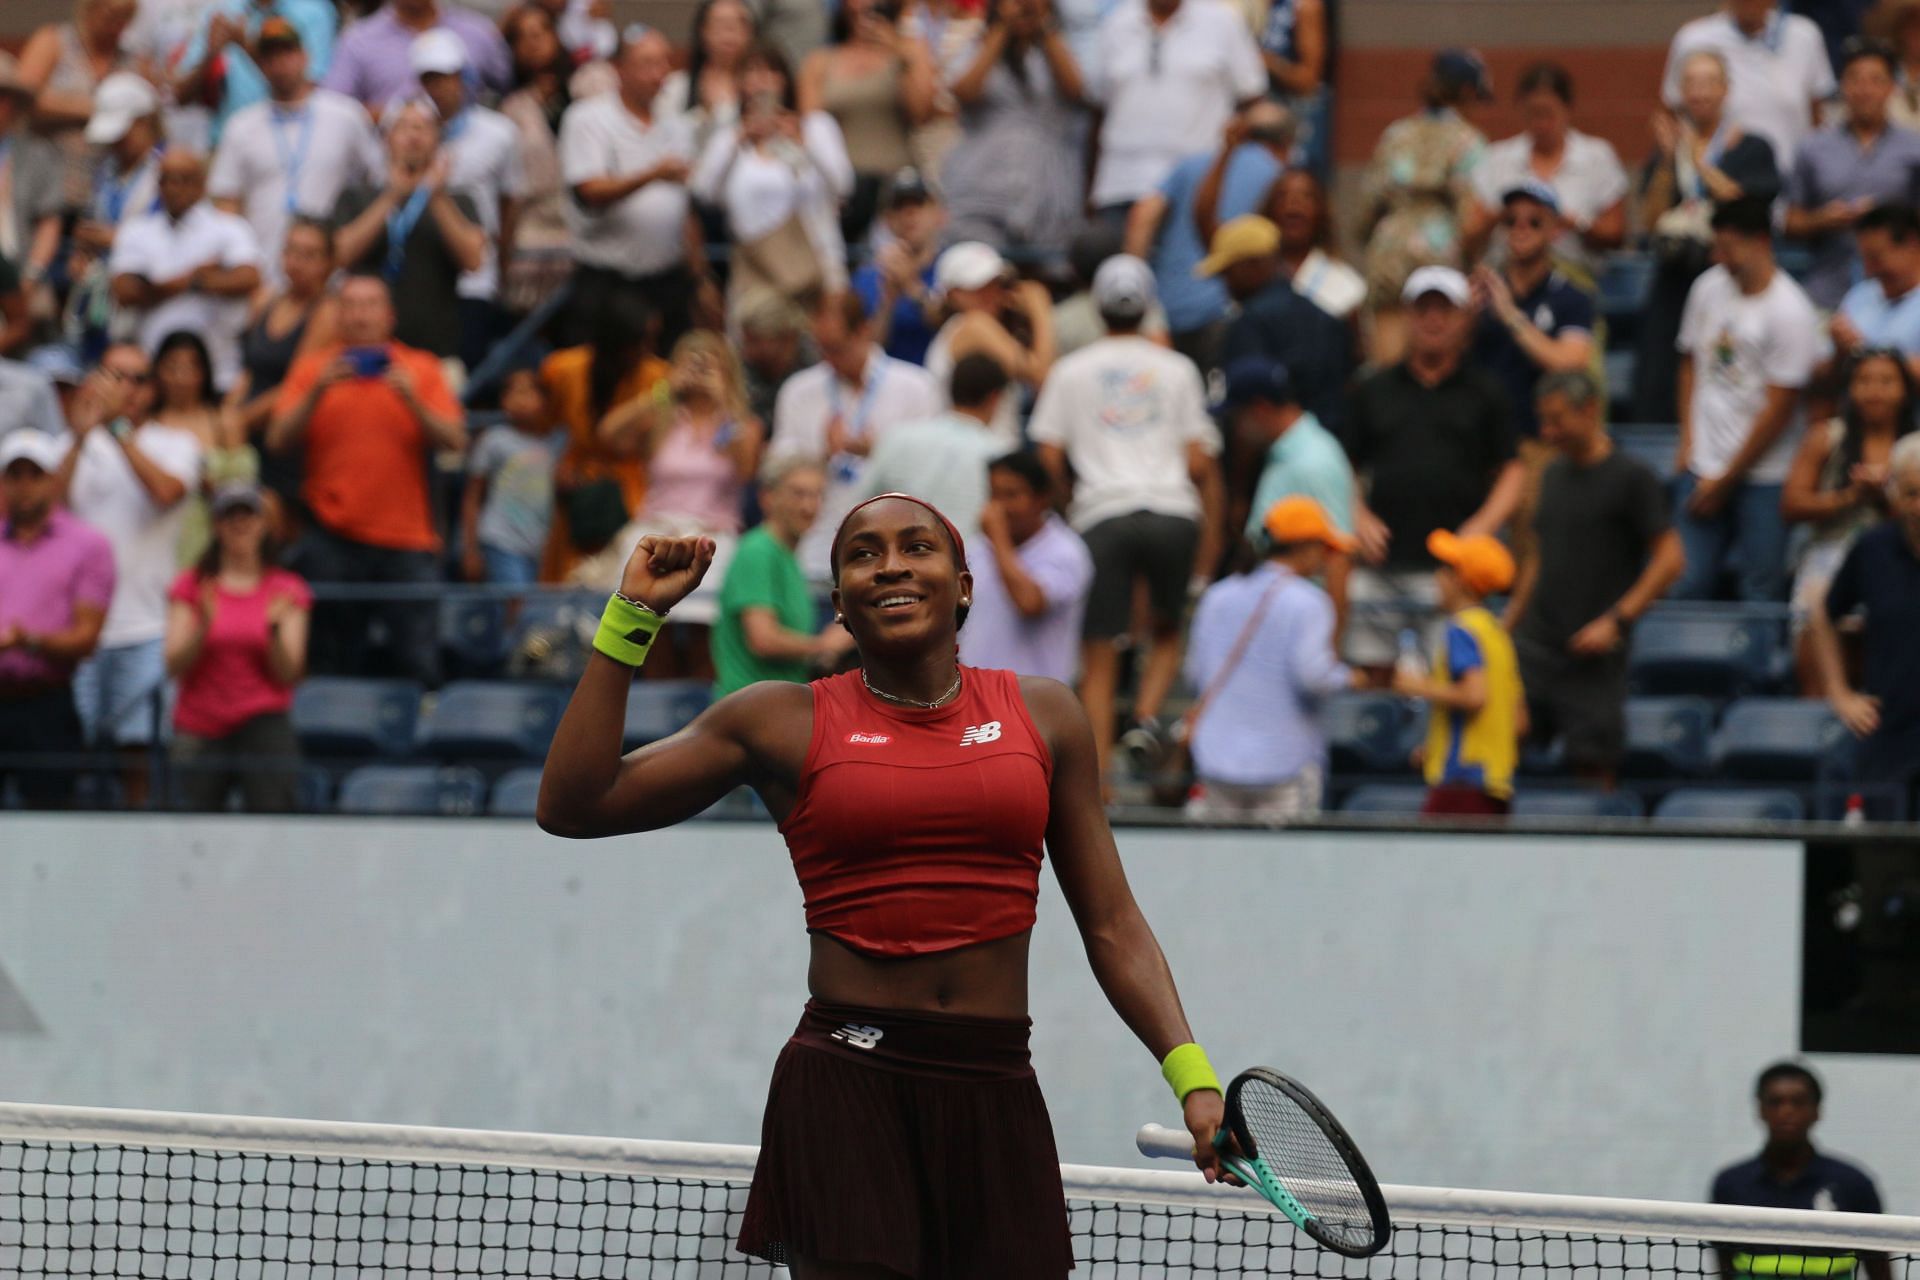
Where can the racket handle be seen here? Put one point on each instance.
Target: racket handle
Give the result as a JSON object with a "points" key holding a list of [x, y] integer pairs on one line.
{"points": [[1162, 1143]]}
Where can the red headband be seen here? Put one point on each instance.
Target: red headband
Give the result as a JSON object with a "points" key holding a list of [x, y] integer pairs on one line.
{"points": [[959, 544]]}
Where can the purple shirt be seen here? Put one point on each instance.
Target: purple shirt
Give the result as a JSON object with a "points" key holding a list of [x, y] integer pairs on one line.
{"points": [[69, 565], [370, 62], [998, 636]]}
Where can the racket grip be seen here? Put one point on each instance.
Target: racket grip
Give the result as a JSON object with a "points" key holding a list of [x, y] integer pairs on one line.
{"points": [[1162, 1143]]}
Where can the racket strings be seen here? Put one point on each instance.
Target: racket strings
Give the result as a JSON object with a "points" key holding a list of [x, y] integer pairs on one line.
{"points": [[1307, 1162]]}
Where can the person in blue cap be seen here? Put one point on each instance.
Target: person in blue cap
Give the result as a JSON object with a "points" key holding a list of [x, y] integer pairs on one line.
{"points": [[1533, 322]]}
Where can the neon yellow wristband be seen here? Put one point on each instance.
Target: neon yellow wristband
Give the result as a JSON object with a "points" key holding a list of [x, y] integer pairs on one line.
{"points": [[1186, 1069], [626, 631]]}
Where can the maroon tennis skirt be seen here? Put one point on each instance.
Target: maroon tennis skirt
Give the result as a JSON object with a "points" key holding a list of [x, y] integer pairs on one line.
{"points": [[918, 1142]]}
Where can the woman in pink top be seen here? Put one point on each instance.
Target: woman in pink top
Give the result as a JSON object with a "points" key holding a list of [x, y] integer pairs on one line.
{"points": [[237, 643], [699, 441]]}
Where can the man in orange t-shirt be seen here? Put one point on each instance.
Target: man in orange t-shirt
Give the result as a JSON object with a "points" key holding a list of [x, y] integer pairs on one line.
{"points": [[365, 415]]}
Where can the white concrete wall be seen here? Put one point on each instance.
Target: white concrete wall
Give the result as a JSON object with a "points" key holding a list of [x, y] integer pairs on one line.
{"points": [[1552, 1015]]}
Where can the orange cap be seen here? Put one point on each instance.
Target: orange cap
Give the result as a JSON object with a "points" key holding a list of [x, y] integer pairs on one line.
{"points": [[1482, 562], [1301, 519]]}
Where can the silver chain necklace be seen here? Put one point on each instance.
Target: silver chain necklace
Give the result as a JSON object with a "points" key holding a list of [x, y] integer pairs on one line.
{"points": [[940, 701]]}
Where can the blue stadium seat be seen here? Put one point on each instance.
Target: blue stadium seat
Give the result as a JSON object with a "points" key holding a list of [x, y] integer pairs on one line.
{"points": [[413, 789], [1385, 798], [473, 637], [1667, 737], [339, 717], [1625, 280], [1367, 732], [1619, 367], [1723, 655], [659, 709], [493, 720], [313, 790], [1777, 739], [515, 793], [1572, 802], [1714, 804], [1653, 450]]}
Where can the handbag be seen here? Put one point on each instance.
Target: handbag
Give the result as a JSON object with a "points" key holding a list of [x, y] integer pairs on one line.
{"points": [[783, 261]]}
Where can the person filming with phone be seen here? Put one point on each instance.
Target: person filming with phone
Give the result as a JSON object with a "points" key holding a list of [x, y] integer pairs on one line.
{"points": [[364, 413]]}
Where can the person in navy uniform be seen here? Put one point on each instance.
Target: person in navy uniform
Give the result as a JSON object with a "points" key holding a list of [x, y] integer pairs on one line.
{"points": [[1789, 1174]]}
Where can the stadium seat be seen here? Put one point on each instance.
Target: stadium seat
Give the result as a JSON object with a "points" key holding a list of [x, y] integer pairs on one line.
{"points": [[741, 804], [1385, 798], [313, 791], [1653, 450], [473, 638], [1367, 732], [1572, 802], [1625, 279], [1777, 739], [340, 717], [1724, 655], [493, 720], [1712, 804], [413, 789], [1667, 737], [1619, 366], [515, 793], [658, 709]]}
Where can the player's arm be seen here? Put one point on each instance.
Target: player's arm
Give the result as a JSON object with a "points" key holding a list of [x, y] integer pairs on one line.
{"points": [[588, 788], [1125, 957]]}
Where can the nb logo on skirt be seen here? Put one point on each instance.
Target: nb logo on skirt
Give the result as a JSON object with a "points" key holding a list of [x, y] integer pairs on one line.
{"points": [[859, 1037]]}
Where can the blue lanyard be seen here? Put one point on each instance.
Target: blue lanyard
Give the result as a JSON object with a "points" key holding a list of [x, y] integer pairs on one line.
{"points": [[846, 466], [294, 159], [450, 130], [400, 225], [115, 190]]}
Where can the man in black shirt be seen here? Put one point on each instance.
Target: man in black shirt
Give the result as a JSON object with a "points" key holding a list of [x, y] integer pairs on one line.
{"points": [[1881, 576], [1789, 1174], [1433, 440], [414, 233], [1276, 322], [1604, 550]]}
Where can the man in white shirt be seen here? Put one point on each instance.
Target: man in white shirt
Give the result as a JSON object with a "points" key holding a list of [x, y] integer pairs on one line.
{"points": [[1131, 419], [633, 224], [1169, 74], [1751, 340], [483, 155], [944, 458], [1777, 69], [294, 153], [130, 483], [190, 266], [837, 410], [1031, 575]]}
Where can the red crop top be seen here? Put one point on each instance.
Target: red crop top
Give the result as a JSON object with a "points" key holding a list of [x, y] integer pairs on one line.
{"points": [[920, 831]]}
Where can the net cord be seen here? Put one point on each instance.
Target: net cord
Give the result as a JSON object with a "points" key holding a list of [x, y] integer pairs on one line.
{"points": [[1410, 1206]]}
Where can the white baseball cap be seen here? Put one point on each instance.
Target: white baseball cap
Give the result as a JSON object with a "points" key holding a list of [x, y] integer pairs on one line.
{"points": [[121, 99], [1445, 281], [37, 447], [968, 265], [1123, 285], [437, 51]]}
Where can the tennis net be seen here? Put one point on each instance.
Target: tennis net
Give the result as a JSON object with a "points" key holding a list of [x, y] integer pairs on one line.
{"points": [[87, 1192]]}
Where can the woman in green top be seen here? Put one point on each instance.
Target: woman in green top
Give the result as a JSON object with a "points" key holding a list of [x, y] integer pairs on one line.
{"points": [[766, 626]]}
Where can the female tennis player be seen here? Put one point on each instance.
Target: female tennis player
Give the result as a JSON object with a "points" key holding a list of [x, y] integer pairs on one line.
{"points": [[904, 1133]]}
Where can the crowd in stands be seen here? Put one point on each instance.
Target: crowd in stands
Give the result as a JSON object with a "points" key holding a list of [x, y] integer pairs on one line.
{"points": [[273, 271]]}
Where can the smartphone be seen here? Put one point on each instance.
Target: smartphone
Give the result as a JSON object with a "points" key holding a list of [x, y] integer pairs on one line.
{"points": [[368, 362]]}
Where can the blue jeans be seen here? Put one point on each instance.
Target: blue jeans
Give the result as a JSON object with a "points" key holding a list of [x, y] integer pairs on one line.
{"points": [[1750, 522], [510, 568], [114, 692]]}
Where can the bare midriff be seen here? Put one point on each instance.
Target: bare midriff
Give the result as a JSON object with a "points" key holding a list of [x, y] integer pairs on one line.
{"points": [[987, 979]]}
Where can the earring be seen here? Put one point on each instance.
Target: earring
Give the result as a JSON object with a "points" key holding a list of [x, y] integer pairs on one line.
{"points": [[966, 603], [839, 617]]}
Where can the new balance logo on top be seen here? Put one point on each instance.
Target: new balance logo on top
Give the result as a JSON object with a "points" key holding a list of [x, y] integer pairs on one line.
{"points": [[978, 733], [869, 739], [859, 1037]]}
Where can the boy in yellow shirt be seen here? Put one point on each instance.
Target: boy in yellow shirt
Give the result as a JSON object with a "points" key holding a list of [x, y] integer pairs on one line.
{"points": [[1479, 707]]}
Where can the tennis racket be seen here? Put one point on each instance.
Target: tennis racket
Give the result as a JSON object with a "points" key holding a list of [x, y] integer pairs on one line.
{"points": [[1282, 1141]]}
